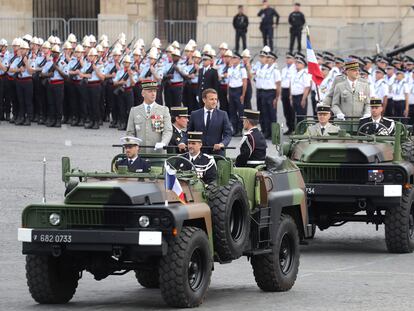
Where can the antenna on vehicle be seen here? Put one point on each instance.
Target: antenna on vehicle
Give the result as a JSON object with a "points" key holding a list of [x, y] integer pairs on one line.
{"points": [[44, 180]]}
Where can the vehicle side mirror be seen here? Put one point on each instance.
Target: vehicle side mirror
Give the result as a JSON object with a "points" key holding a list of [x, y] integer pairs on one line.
{"points": [[65, 169]]}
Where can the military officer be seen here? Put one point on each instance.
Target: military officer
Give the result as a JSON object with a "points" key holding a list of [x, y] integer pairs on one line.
{"points": [[123, 81], [286, 76], [299, 88], [174, 77], [179, 120], [10, 86], [323, 127], [55, 71], [379, 88], [150, 121], [133, 161], [237, 77], [270, 95], [92, 73], [400, 91], [207, 75], [249, 91], [73, 87], [192, 72], [223, 72], [205, 164], [351, 96], [253, 144], [24, 85], [370, 124]]}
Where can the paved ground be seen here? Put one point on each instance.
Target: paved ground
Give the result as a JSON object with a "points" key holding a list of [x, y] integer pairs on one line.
{"points": [[345, 268]]}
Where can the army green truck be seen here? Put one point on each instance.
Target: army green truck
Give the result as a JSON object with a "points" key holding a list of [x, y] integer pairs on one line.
{"points": [[354, 177], [114, 222]]}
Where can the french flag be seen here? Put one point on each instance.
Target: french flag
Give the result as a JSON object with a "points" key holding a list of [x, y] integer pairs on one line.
{"points": [[313, 66], [172, 183]]}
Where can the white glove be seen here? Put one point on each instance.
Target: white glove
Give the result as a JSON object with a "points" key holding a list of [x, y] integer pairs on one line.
{"points": [[366, 115], [340, 116], [159, 146]]}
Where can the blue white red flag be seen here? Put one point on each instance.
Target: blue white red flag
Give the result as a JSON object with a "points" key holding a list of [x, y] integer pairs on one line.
{"points": [[313, 66], [172, 183]]}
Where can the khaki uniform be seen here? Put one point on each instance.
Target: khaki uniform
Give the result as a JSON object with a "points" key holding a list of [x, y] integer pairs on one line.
{"points": [[352, 103], [329, 96], [150, 129], [315, 130]]}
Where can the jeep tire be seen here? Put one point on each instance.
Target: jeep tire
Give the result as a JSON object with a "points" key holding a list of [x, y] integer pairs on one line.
{"points": [[51, 280], [185, 272], [399, 225], [230, 214], [277, 271], [148, 278]]}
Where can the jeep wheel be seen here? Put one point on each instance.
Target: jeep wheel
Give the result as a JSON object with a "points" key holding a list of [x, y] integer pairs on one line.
{"points": [[399, 225], [231, 220], [51, 280], [277, 271], [185, 272], [148, 278]]}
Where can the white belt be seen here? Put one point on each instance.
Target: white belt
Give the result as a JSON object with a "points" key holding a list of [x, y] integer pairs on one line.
{"points": [[253, 162]]}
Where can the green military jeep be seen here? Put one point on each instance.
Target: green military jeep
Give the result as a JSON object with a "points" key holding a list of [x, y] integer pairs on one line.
{"points": [[354, 177], [114, 222]]}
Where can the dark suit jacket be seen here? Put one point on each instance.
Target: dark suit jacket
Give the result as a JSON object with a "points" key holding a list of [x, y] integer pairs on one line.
{"points": [[218, 132], [176, 139], [209, 80], [138, 166]]}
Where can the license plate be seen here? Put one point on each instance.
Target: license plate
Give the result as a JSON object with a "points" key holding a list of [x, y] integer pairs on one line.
{"points": [[52, 238], [150, 238], [392, 191]]}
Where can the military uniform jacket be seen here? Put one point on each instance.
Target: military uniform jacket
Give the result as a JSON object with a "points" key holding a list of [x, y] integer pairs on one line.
{"points": [[205, 166], [316, 129], [372, 128], [176, 139], [330, 93], [352, 103], [150, 129], [207, 80], [138, 166], [252, 149]]}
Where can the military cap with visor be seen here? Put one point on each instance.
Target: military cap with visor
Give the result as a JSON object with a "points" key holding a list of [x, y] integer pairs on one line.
{"points": [[195, 136], [179, 112], [251, 114]]}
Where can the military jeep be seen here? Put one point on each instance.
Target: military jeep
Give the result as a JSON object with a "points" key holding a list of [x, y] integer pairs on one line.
{"points": [[114, 222], [354, 177]]}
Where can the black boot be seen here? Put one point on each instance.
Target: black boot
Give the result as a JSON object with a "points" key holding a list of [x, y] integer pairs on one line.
{"points": [[35, 118], [41, 120], [81, 123], [74, 122], [89, 125], [58, 123], [27, 122], [19, 121], [7, 117], [95, 125]]}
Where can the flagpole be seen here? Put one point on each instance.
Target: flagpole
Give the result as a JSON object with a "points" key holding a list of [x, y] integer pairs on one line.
{"points": [[317, 87]]}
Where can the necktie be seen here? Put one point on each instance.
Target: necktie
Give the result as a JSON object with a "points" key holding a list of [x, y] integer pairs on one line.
{"points": [[353, 86], [322, 130], [208, 119], [130, 162], [148, 110], [192, 160]]}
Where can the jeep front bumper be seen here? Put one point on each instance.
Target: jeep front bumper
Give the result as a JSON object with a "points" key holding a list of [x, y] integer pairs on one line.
{"points": [[46, 240]]}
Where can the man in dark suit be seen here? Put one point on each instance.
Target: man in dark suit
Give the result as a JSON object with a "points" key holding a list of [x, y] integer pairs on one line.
{"points": [[207, 76], [204, 164], [376, 124], [134, 163], [214, 124], [179, 137]]}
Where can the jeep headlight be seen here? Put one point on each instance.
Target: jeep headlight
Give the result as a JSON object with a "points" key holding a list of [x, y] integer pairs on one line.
{"points": [[144, 221], [376, 176], [54, 219]]}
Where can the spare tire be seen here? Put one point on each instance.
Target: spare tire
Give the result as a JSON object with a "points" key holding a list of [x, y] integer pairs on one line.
{"points": [[231, 219]]}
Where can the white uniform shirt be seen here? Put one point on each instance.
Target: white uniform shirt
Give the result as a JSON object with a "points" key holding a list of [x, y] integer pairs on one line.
{"points": [[286, 76], [390, 82], [236, 76], [411, 88], [379, 89], [271, 77], [299, 82], [260, 72], [399, 90]]}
